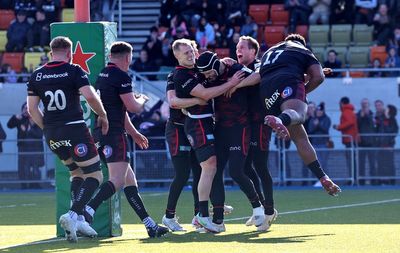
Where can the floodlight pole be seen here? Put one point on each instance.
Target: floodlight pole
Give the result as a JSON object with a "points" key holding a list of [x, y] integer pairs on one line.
{"points": [[82, 10]]}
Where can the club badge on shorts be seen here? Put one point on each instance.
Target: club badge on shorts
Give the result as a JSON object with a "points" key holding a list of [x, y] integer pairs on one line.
{"points": [[287, 92], [81, 150], [107, 151]]}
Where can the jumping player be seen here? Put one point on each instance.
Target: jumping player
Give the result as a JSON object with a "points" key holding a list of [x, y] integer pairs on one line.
{"points": [[246, 52], [58, 84], [115, 88], [199, 122], [283, 92], [232, 133]]}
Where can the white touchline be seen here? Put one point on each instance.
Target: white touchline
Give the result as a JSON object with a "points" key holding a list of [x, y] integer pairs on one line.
{"points": [[326, 208], [12, 206]]}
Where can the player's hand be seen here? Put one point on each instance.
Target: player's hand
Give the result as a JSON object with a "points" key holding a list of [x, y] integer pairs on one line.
{"points": [[102, 122], [327, 71], [228, 61], [140, 140], [230, 92], [236, 78]]}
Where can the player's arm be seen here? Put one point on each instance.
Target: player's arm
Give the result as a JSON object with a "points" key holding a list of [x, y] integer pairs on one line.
{"points": [[34, 111], [316, 77], [253, 79], [139, 138], [208, 93], [181, 103], [95, 103], [134, 103]]}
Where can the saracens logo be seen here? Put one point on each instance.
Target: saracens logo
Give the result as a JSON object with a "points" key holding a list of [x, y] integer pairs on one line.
{"points": [[107, 151], [269, 102], [81, 150], [81, 58]]}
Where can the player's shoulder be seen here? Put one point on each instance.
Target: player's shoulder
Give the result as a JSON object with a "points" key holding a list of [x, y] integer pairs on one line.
{"points": [[239, 67], [181, 73]]}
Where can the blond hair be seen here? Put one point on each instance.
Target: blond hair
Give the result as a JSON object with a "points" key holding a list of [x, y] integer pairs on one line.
{"points": [[60, 43], [251, 43], [180, 42]]}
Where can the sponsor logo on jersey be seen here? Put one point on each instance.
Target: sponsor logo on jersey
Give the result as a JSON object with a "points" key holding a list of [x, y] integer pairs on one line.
{"points": [[107, 151], [103, 74], [81, 150], [187, 82], [236, 148], [287, 92], [269, 102], [57, 144], [210, 137], [126, 85]]}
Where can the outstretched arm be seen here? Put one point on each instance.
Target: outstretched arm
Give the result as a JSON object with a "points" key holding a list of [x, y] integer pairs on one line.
{"points": [[138, 138], [34, 111], [181, 103]]}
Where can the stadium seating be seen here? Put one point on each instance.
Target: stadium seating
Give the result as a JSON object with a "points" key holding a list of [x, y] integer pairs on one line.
{"points": [[274, 34], [357, 74], [302, 30], [358, 57], [378, 52], [341, 35], [318, 35], [320, 53], [67, 15], [3, 40], [341, 54], [6, 16], [260, 13], [14, 59], [32, 60], [279, 16], [362, 35], [222, 52]]}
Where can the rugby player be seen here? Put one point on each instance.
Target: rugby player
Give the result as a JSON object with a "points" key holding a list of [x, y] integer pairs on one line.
{"points": [[246, 52], [199, 122], [232, 134], [115, 88], [58, 84], [283, 91]]}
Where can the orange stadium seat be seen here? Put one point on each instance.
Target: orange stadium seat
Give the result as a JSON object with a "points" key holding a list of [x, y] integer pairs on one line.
{"points": [[378, 52], [67, 15], [260, 34], [302, 30], [6, 16], [3, 40], [357, 74], [260, 13], [16, 60], [274, 34], [222, 52], [279, 16]]}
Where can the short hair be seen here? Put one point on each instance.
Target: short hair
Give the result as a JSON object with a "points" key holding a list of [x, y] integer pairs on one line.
{"points": [[60, 43], [177, 43], [251, 43], [332, 51], [120, 48], [296, 37], [194, 44], [345, 100], [392, 111]]}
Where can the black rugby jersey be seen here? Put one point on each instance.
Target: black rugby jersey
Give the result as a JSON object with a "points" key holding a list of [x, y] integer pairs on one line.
{"points": [[234, 110], [110, 84], [185, 80], [256, 108], [175, 115], [288, 58], [57, 84]]}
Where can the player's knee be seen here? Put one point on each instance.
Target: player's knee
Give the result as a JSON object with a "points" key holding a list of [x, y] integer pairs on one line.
{"points": [[296, 117], [93, 170]]}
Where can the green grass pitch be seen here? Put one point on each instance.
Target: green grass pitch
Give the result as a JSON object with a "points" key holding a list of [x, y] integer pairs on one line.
{"points": [[359, 220]]}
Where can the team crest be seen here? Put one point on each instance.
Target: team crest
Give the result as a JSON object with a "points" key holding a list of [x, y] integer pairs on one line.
{"points": [[81, 150]]}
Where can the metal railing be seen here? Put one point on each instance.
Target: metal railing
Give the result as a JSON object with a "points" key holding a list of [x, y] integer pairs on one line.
{"points": [[347, 165]]}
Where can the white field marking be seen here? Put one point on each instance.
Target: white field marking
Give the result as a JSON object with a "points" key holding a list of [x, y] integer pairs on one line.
{"points": [[326, 208], [33, 243], [24, 205], [155, 194]]}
